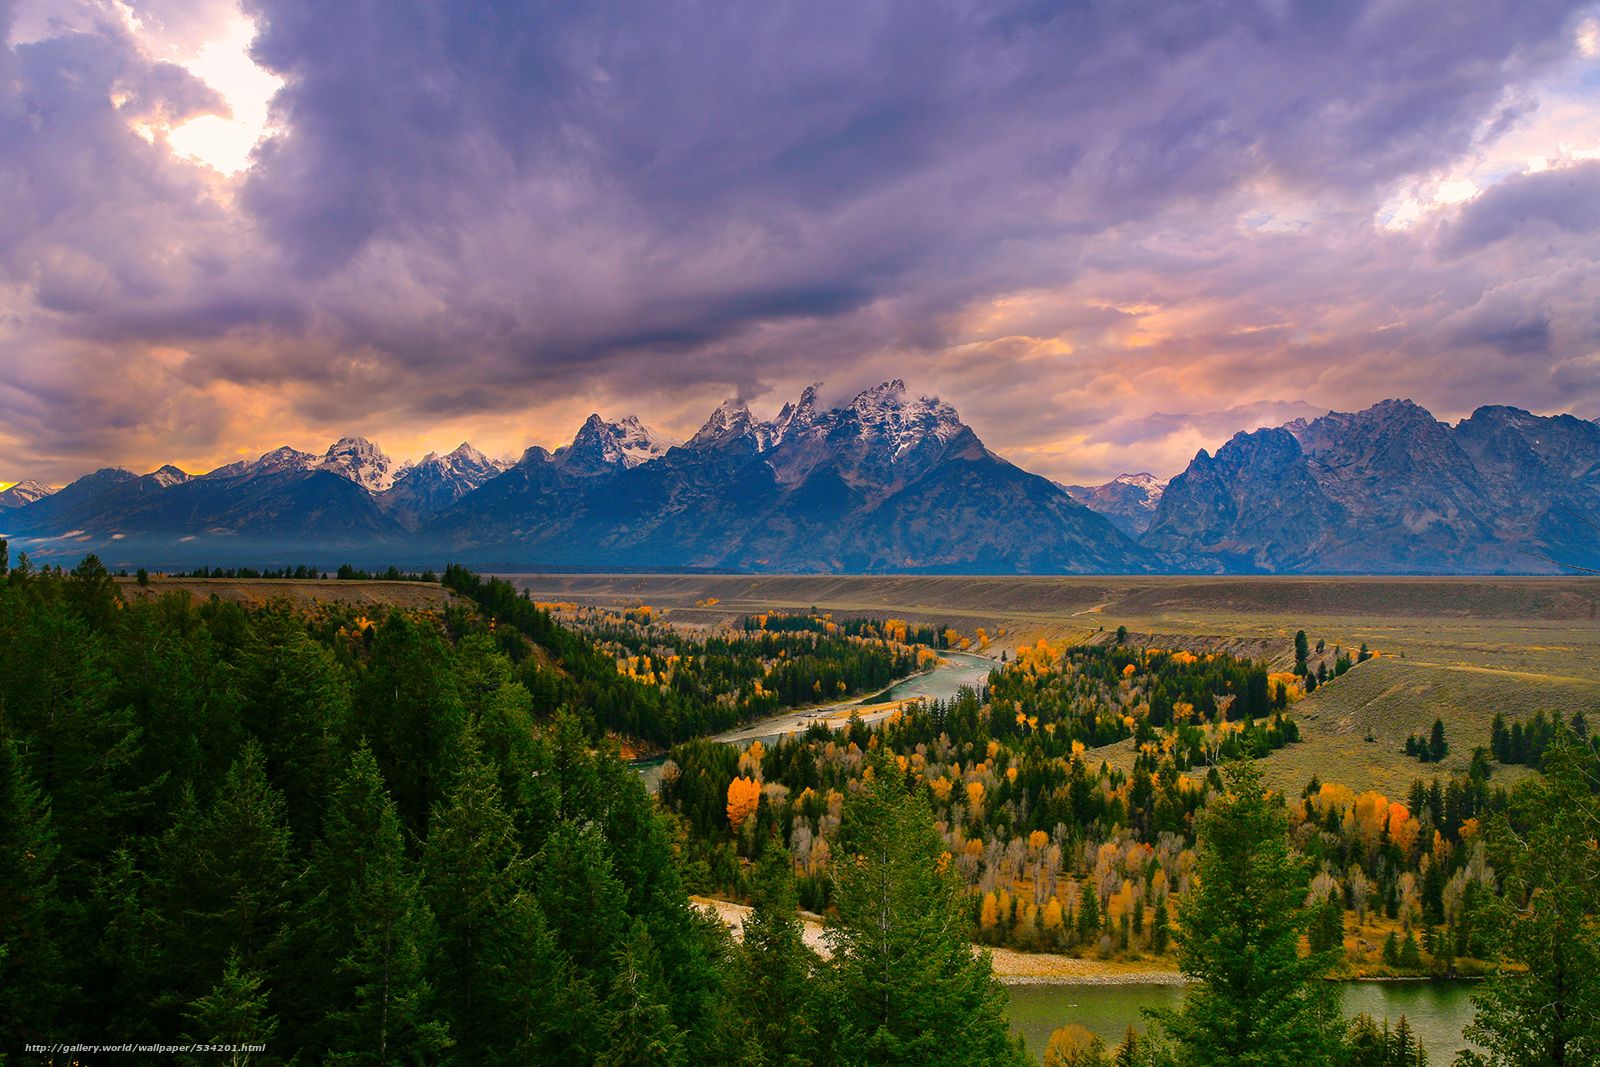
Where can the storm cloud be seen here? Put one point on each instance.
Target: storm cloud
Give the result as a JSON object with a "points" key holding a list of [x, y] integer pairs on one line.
{"points": [[1102, 230]]}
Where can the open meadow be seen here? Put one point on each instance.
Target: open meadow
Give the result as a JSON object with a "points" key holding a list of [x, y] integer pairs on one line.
{"points": [[1456, 649]]}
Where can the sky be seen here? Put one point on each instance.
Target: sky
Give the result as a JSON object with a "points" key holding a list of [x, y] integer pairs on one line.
{"points": [[1110, 232]]}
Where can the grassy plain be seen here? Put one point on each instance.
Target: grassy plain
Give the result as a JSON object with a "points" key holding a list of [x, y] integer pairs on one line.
{"points": [[1458, 649], [300, 593]]}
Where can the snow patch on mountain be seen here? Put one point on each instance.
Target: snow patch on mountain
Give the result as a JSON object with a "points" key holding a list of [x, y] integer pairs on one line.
{"points": [[361, 462], [24, 492], [600, 446]]}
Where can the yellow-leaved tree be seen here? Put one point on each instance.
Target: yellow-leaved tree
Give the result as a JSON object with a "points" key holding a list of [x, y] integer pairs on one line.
{"points": [[744, 797]]}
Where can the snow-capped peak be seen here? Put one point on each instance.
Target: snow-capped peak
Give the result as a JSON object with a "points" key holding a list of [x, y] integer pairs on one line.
{"points": [[1146, 481], [601, 445], [24, 492], [278, 460], [796, 418], [168, 476], [731, 421], [362, 462], [903, 423]]}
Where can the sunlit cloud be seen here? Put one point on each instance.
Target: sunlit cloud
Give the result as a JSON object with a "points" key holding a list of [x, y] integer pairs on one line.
{"points": [[1110, 238]]}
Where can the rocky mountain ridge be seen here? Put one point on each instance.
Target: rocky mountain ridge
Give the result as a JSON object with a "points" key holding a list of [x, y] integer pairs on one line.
{"points": [[886, 482]]}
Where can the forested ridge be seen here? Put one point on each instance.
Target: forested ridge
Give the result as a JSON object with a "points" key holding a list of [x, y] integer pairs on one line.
{"points": [[411, 839], [365, 841]]}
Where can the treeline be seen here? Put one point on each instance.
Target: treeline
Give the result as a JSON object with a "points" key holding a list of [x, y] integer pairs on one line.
{"points": [[875, 629], [1527, 743], [670, 686], [758, 671], [365, 843], [303, 572]]}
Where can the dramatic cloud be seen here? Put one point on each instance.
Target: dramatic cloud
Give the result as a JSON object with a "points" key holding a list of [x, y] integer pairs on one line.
{"points": [[1110, 233]]}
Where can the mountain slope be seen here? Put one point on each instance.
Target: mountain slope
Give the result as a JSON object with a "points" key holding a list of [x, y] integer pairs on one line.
{"points": [[1128, 500], [24, 493], [424, 489], [1390, 490], [889, 482]]}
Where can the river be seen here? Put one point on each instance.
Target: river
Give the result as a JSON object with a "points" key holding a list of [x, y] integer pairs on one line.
{"points": [[1437, 1011], [943, 682]]}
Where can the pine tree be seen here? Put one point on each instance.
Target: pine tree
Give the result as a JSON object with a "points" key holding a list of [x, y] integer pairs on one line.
{"points": [[235, 1012], [408, 708], [582, 896], [30, 989], [474, 873], [1160, 927], [1549, 1011], [376, 931], [909, 989], [221, 880], [771, 996], [1256, 1000], [638, 1017], [296, 701]]}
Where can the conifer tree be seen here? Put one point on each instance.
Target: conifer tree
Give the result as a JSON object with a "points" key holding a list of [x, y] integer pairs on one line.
{"points": [[375, 930], [235, 1012], [638, 1016], [581, 896], [1548, 1010], [772, 988], [909, 989], [1256, 1001], [408, 708], [30, 982], [474, 872], [222, 881]]}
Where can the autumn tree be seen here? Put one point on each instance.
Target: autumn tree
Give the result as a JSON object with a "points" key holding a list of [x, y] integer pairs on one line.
{"points": [[1074, 1045], [744, 797], [1255, 1000]]}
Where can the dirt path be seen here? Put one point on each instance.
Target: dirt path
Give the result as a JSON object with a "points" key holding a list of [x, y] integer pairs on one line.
{"points": [[1010, 966]]}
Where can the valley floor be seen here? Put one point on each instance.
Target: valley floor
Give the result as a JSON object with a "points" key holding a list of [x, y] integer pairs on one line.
{"points": [[1456, 649]]}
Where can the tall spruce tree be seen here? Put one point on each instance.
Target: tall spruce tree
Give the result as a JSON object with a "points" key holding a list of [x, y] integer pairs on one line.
{"points": [[374, 932], [1546, 1008], [30, 972], [772, 998], [908, 988], [638, 1015], [495, 950], [408, 708], [1256, 1000], [234, 1013]]}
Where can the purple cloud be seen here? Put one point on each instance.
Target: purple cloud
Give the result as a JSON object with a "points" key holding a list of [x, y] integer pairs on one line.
{"points": [[517, 212]]}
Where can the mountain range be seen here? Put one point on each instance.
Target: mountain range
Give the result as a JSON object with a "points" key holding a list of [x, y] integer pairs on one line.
{"points": [[890, 482]]}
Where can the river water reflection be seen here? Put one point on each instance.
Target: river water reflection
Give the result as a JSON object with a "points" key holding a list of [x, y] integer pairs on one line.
{"points": [[1437, 1011]]}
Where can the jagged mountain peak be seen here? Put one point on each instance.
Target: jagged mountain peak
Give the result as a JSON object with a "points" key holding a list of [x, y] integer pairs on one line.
{"points": [[168, 475], [601, 446], [798, 416], [24, 493], [1128, 500], [906, 423], [362, 462], [731, 422]]}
